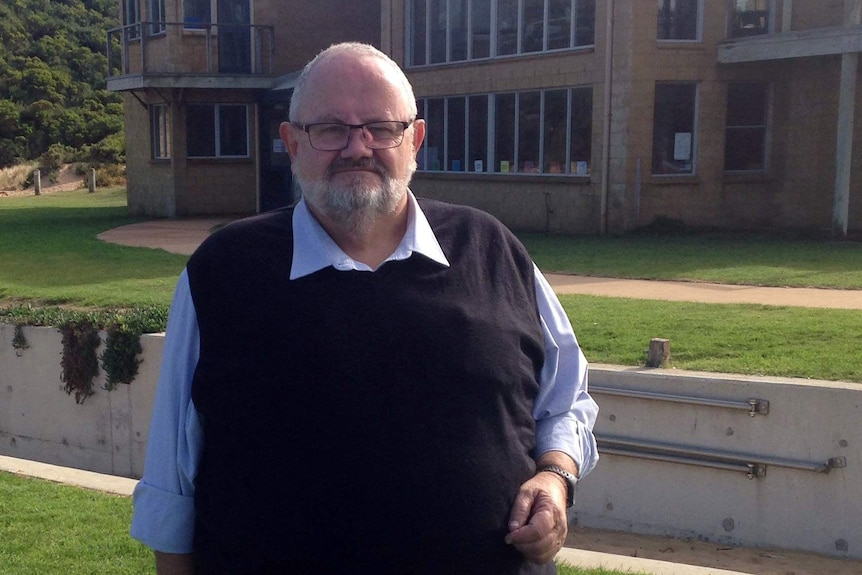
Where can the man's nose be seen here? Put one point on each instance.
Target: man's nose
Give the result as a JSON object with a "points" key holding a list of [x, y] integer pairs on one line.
{"points": [[356, 146]]}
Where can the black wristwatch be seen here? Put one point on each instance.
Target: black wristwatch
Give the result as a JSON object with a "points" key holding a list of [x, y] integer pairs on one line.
{"points": [[568, 477]]}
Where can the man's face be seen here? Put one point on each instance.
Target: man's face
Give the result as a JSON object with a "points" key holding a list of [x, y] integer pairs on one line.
{"points": [[356, 183]]}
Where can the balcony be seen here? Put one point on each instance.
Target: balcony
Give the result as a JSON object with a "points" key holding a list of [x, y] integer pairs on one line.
{"points": [[190, 55]]}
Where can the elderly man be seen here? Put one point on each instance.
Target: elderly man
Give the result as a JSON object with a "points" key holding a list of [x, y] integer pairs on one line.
{"points": [[365, 382]]}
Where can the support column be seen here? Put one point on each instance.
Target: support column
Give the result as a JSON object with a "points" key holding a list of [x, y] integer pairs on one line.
{"points": [[846, 109]]}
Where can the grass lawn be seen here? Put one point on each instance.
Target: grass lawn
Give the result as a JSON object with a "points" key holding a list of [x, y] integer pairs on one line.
{"points": [[51, 529], [49, 254]]}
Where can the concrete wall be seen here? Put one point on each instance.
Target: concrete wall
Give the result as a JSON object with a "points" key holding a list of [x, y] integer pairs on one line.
{"points": [[807, 422]]}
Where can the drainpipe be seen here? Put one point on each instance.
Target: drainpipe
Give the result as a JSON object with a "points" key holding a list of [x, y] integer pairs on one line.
{"points": [[606, 124]]}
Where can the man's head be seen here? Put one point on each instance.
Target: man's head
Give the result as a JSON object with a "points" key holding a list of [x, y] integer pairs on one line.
{"points": [[353, 84]]}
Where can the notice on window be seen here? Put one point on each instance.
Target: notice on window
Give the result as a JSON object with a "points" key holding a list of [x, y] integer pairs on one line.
{"points": [[278, 146], [682, 146]]}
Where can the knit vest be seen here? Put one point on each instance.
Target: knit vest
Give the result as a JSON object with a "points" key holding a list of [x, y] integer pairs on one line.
{"points": [[360, 422]]}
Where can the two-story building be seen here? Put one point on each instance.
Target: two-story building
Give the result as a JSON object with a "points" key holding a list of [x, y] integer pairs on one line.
{"points": [[574, 116]]}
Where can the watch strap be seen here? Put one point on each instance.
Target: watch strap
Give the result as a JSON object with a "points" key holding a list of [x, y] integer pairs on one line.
{"points": [[569, 478]]}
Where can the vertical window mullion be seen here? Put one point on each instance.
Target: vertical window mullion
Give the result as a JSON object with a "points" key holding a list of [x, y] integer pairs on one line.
{"points": [[515, 154], [540, 161], [217, 120], [492, 134], [492, 49], [568, 168], [519, 30]]}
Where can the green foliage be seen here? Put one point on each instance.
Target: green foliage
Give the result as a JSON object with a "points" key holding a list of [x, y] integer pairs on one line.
{"points": [[52, 76], [79, 363], [120, 358]]}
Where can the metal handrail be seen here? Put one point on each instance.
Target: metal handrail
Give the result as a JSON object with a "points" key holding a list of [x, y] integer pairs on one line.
{"points": [[753, 406], [752, 465], [120, 39]]}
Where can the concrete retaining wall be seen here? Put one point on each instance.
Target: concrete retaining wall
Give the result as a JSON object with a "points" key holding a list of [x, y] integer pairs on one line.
{"points": [[673, 462]]}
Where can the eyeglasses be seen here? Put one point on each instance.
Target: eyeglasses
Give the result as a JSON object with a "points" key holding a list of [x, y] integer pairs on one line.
{"points": [[332, 137]]}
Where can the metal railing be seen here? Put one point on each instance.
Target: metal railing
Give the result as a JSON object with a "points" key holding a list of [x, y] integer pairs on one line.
{"points": [[752, 405], [190, 48]]}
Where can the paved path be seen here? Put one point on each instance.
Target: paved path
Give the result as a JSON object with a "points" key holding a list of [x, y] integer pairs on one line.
{"points": [[183, 236]]}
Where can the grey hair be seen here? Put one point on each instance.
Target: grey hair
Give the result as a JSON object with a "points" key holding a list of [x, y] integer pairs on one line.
{"points": [[352, 49]]}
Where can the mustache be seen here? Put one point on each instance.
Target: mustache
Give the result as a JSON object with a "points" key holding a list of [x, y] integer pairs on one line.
{"points": [[371, 164]]}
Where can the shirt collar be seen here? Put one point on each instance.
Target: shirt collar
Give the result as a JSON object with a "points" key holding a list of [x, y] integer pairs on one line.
{"points": [[314, 250]]}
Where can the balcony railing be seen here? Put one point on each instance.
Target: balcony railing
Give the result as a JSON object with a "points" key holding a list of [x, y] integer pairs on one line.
{"points": [[173, 50]]}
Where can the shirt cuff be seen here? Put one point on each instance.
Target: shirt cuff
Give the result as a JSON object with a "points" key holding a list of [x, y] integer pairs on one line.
{"points": [[560, 433], [163, 521]]}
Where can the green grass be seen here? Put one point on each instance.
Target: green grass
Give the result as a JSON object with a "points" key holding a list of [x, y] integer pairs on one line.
{"points": [[751, 260], [58, 529], [49, 253]]}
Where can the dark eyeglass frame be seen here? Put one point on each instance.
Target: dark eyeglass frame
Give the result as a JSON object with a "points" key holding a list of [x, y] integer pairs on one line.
{"points": [[368, 140]]}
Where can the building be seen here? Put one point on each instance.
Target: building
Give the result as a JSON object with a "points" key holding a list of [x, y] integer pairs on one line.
{"points": [[570, 116], [206, 84]]}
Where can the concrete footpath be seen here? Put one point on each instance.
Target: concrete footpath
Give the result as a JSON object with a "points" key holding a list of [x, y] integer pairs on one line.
{"points": [[124, 486], [184, 236]]}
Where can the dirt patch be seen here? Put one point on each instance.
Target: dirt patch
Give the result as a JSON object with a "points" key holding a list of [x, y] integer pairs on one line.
{"points": [[65, 181], [756, 561]]}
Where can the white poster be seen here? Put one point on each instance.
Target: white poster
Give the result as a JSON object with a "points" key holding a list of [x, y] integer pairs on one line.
{"points": [[682, 146]]}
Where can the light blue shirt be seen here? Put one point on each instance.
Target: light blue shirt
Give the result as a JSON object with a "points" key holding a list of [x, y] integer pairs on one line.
{"points": [[164, 511]]}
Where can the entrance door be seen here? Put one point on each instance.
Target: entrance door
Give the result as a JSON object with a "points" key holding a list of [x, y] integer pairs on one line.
{"points": [[234, 36], [276, 180]]}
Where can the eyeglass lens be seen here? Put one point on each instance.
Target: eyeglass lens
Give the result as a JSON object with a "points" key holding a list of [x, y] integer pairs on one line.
{"points": [[336, 136]]}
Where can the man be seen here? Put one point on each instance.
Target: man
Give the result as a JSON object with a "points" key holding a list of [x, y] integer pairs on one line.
{"points": [[364, 383]]}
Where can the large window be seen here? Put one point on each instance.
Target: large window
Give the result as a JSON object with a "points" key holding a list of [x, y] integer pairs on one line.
{"points": [[535, 132], [196, 13], [160, 131], [674, 129], [748, 18], [132, 19], [678, 19], [745, 133], [217, 130], [441, 31], [156, 16]]}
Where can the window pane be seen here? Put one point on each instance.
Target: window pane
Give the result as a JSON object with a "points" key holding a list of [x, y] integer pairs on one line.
{"points": [[160, 131], [233, 131], [507, 27], [554, 161], [421, 163], [581, 131], [481, 28], [434, 145], [745, 135], [677, 19], [437, 18], [529, 126], [478, 131], [458, 30], [455, 134], [196, 12], [673, 129], [559, 24], [504, 132], [533, 26], [418, 32], [200, 131], [585, 22], [749, 18]]}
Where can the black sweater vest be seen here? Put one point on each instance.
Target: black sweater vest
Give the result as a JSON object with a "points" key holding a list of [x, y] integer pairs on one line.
{"points": [[361, 422]]}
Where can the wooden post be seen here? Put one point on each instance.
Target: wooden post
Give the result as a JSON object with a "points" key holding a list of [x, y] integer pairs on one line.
{"points": [[659, 352], [37, 182], [91, 180]]}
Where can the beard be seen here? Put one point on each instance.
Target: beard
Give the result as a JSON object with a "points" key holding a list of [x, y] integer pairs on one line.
{"points": [[358, 200]]}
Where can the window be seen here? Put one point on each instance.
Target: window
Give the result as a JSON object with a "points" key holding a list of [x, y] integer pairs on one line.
{"points": [[156, 16], [678, 19], [673, 137], [745, 134], [441, 31], [748, 18], [537, 132], [132, 19], [196, 13], [217, 130], [160, 131]]}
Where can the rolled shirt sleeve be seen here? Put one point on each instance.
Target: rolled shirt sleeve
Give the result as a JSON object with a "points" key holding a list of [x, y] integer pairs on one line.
{"points": [[164, 509], [564, 411]]}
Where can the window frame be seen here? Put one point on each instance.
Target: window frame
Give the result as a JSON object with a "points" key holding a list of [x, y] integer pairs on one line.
{"points": [[764, 128], [160, 131], [505, 155], [156, 17], [698, 25], [218, 129], [420, 45], [132, 19]]}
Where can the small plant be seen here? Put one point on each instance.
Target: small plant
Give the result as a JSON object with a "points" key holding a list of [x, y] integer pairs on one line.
{"points": [[19, 340], [120, 358], [79, 362]]}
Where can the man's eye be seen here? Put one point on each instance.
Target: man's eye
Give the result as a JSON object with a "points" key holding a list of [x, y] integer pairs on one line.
{"points": [[331, 130]]}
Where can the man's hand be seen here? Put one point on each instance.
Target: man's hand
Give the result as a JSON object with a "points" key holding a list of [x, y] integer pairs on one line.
{"points": [[537, 523]]}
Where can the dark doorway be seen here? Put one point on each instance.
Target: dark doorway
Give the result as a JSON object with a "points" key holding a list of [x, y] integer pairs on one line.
{"points": [[276, 180]]}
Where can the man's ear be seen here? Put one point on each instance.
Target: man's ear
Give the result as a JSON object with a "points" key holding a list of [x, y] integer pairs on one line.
{"points": [[288, 136], [418, 134]]}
